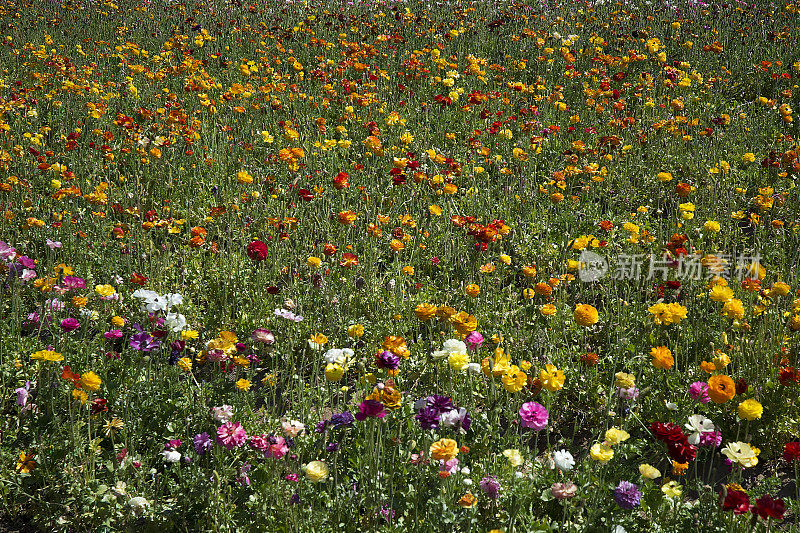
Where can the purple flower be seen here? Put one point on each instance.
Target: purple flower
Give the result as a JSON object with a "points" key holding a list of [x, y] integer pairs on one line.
{"points": [[202, 443], [370, 409], [533, 415], [73, 283], [490, 486], [627, 495], [263, 336], [699, 391], [442, 404], [387, 359], [473, 341], [231, 435], [341, 419], [143, 341], [53, 244], [69, 324], [243, 478], [332, 446], [428, 418], [22, 394], [112, 334]]}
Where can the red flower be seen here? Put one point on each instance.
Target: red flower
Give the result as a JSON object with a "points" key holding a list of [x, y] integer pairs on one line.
{"points": [[791, 452], [769, 507], [138, 279], [682, 452], [741, 386], [349, 260], [99, 406], [736, 501], [257, 251]]}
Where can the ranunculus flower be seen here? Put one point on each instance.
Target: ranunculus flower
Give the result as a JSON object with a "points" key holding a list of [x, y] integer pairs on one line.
{"points": [[533, 415], [257, 250], [69, 324], [316, 471]]}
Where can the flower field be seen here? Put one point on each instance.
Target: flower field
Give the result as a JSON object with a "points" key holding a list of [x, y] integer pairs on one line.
{"points": [[399, 266]]}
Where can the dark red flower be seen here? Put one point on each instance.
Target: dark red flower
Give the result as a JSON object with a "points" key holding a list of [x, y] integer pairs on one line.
{"points": [[138, 279], [741, 386], [682, 452], [769, 507], [257, 251], [791, 452], [99, 406], [736, 501]]}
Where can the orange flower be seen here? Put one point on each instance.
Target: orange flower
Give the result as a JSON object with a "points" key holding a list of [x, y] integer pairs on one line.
{"points": [[346, 217], [444, 449], [721, 388]]}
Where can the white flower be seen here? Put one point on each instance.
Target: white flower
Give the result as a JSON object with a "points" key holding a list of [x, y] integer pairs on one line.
{"points": [[563, 460], [119, 489], [671, 406], [138, 505], [173, 300], [454, 346], [339, 356], [222, 414], [475, 368], [698, 424], [171, 456], [175, 321]]}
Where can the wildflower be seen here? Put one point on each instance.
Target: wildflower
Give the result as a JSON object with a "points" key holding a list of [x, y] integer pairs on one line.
{"points": [[138, 505], [533, 415], [667, 314], [698, 425], [699, 391], [514, 457], [736, 500], [648, 471], [563, 491], [514, 379], [750, 409], [552, 378], [662, 357], [25, 463], [741, 453], [791, 452], [243, 385], [627, 495], [586, 315], [202, 443], [672, 489], [601, 453], [615, 436], [231, 435], [721, 388], [257, 250], [473, 340], [425, 311], [624, 381], [490, 486], [370, 409], [316, 471], [467, 501], [563, 460], [47, 355], [90, 381], [444, 449]]}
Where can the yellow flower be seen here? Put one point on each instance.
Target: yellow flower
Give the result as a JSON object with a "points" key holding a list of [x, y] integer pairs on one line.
{"points": [[435, 210], [667, 314], [664, 176], [458, 361], [601, 452], [334, 371], [117, 321], [749, 157], [649, 472], [425, 311], [514, 379], [624, 381], [25, 463], [90, 381], [189, 334], [616, 435], [514, 457], [552, 378], [104, 290], [720, 293], [313, 262], [444, 449], [662, 357], [47, 355], [505, 259], [586, 315], [317, 341], [316, 471], [711, 226], [468, 501], [356, 331], [734, 309], [80, 395], [548, 310], [243, 384], [679, 469], [184, 363], [672, 489], [473, 290], [750, 410]]}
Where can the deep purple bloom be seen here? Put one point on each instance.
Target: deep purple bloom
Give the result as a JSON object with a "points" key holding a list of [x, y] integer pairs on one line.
{"points": [[332, 446], [370, 409], [341, 419], [202, 443], [143, 341], [442, 404], [627, 495], [428, 418], [387, 359], [73, 283], [533, 415]]}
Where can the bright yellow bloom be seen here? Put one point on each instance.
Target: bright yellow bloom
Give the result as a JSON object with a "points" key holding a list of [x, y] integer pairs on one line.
{"points": [[552, 378], [750, 410], [47, 355], [601, 452], [514, 379], [616, 435], [90, 381], [444, 449]]}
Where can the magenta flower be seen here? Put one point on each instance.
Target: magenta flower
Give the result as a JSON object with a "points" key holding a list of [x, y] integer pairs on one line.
{"points": [[533, 415], [370, 409], [277, 448], [231, 435], [699, 391], [69, 324], [473, 341], [264, 336]]}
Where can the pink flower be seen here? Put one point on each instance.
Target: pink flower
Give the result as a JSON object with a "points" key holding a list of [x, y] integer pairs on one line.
{"points": [[699, 391], [473, 341], [451, 466], [534, 415], [231, 435], [277, 448], [69, 324]]}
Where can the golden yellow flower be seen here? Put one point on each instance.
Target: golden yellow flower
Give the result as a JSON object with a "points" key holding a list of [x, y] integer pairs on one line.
{"points": [[586, 315], [750, 409], [425, 311], [552, 378], [444, 449], [90, 381]]}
